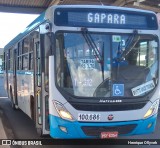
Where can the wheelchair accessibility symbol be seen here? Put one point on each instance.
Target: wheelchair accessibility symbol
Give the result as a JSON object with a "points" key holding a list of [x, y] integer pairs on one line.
{"points": [[118, 89]]}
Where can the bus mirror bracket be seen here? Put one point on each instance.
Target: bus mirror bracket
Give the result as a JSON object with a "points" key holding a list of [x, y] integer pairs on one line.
{"points": [[48, 27]]}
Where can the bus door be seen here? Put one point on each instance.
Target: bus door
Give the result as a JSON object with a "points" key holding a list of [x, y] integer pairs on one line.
{"points": [[38, 85], [45, 36], [6, 72], [9, 71], [15, 76]]}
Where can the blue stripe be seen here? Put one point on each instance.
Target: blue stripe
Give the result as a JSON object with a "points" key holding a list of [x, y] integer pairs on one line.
{"points": [[22, 72], [74, 130]]}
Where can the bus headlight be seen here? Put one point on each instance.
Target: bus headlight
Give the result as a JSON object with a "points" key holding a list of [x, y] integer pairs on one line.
{"points": [[153, 109], [62, 111]]}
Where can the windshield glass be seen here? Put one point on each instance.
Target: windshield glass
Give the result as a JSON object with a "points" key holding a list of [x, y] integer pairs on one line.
{"points": [[128, 65]]}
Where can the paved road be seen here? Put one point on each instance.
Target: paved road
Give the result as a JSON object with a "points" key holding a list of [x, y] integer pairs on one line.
{"points": [[19, 126]]}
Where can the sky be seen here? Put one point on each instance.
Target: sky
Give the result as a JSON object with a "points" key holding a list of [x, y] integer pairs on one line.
{"points": [[12, 24]]}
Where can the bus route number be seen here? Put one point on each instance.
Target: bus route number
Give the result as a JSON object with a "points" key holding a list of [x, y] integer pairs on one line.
{"points": [[87, 64], [88, 117]]}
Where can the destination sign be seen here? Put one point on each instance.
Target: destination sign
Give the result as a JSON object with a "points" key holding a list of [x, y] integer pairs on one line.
{"points": [[101, 18], [105, 18]]}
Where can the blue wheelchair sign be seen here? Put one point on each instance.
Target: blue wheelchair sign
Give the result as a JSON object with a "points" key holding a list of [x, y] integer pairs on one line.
{"points": [[118, 90]]}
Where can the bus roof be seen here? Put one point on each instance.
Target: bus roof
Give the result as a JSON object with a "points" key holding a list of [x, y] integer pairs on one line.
{"points": [[39, 20]]}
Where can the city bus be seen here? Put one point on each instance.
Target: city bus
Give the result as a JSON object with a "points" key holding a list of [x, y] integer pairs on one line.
{"points": [[86, 71]]}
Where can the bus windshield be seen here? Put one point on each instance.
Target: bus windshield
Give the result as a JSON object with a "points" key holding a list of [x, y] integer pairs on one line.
{"points": [[128, 65]]}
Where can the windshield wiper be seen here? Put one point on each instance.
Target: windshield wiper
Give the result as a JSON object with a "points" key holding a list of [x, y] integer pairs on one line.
{"points": [[130, 43], [89, 40]]}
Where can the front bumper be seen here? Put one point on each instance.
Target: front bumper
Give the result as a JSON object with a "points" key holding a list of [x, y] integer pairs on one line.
{"points": [[80, 130]]}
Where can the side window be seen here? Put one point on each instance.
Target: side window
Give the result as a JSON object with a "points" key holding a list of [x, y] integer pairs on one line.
{"points": [[31, 61], [26, 50], [152, 53], [144, 53], [19, 64], [58, 69], [31, 67], [8, 55], [10, 60], [25, 62], [26, 45], [141, 54], [25, 54], [4, 61], [19, 54]]}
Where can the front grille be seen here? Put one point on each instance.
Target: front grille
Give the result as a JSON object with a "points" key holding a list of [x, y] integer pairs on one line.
{"points": [[108, 107], [96, 130]]}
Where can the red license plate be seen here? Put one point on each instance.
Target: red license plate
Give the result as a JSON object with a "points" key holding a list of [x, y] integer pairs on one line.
{"points": [[106, 135]]}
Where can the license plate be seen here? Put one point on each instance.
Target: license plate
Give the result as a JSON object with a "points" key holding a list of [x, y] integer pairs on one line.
{"points": [[88, 117], [107, 135]]}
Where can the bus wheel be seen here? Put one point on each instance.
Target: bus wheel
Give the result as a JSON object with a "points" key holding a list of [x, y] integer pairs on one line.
{"points": [[12, 102]]}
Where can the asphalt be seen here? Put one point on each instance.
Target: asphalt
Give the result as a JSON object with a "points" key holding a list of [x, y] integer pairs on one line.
{"points": [[2, 131], [3, 135]]}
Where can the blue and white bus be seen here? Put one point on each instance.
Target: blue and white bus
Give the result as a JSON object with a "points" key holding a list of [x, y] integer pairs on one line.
{"points": [[87, 71]]}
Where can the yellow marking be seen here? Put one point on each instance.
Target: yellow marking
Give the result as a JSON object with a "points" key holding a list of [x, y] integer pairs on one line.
{"points": [[38, 92]]}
